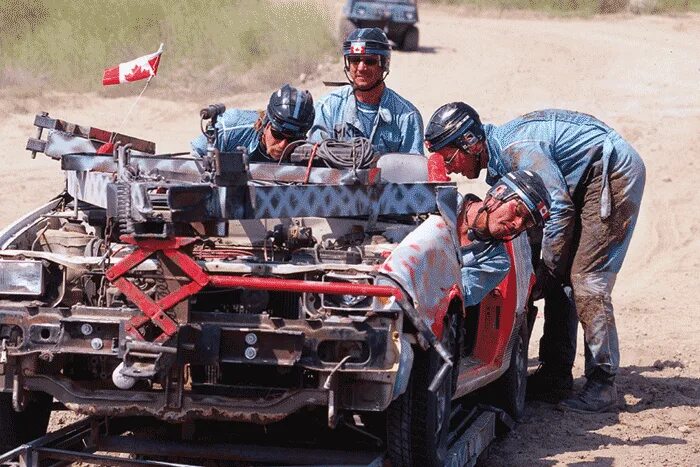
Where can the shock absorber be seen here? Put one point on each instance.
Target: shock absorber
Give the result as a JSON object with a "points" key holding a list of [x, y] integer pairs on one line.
{"points": [[122, 155], [124, 222]]}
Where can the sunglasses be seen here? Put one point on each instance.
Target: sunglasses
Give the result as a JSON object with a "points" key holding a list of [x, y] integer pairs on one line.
{"points": [[279, 136], [452, 157], [369, 61]]}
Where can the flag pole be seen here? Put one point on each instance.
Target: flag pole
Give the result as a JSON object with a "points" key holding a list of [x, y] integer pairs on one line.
{"points": [[133, 106]]}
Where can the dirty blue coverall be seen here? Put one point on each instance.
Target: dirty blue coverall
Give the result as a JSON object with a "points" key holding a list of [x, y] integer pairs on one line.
{"points": [[235, 128], [596, 180], [395, 125]]}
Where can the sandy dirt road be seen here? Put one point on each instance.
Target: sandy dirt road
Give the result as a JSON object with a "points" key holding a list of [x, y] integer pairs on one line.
{"points": [[639, 74]]}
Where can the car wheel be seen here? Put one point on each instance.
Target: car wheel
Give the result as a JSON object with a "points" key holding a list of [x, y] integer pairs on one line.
{"points": [[510, 389], [19, 427], [418, 421], [410, 40]]}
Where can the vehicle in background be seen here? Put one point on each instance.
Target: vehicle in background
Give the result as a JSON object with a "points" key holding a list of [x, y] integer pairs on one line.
{"points": [[397, 18]]}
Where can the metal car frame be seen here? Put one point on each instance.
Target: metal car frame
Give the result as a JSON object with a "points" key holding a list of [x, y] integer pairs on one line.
{"points": [[168, 219]]}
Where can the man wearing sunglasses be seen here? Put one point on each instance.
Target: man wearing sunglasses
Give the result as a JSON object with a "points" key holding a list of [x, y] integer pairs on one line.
{"points": [[517, 202], [367, 108], [595, 180], [289, 115]]}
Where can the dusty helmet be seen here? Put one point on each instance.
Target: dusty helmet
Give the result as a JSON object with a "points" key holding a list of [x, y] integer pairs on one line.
{"points": [[455, 123], [291, 110], [529, 188], [368, 41]]}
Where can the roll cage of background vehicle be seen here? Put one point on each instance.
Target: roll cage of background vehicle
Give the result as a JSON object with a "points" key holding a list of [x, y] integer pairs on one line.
{"points": [[187, 288]]}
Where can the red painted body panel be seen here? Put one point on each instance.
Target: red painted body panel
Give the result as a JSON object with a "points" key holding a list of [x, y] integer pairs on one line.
{"points": [[496, 318]]}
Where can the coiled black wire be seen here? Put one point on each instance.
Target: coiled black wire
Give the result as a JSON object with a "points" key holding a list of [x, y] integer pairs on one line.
{"points": [[355, 154]]}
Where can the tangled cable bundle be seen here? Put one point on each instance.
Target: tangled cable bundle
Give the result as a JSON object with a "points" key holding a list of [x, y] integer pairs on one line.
{"points": [[354, 154]]}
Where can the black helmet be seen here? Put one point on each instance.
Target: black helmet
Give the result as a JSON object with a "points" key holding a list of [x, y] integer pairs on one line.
{"points": [[291, 111], [368, 41], [529, 188], [455, 123]]}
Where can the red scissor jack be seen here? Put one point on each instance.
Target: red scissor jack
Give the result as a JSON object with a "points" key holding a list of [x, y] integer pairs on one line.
{"points": [[155, 311]]}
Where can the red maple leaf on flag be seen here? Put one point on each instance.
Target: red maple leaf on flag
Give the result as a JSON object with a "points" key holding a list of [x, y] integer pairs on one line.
{"points": [[137, 73]]}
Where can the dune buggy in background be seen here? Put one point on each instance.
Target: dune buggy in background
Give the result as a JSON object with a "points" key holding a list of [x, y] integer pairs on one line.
{"points": [[186, 288], [397, 18]]}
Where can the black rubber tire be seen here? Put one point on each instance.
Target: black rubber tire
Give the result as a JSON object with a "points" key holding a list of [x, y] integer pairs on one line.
{"points": [[19, 427], [418, 421], [410, 40], [508, 392]]}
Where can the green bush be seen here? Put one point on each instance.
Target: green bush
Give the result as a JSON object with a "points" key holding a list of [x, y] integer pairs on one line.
{"points": [[207, 44]]}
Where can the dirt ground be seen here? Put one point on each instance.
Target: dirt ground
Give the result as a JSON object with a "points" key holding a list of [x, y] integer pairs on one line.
{"points": [[639, 74]]}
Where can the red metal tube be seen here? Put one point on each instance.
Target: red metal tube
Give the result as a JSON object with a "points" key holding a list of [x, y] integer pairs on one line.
{"points": [[295, 285]]}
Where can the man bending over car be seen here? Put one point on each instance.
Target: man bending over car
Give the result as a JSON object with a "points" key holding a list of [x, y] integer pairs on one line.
{"points": [[595, 180]]}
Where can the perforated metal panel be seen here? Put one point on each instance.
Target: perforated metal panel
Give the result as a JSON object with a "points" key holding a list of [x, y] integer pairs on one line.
{"points": [[342, 200]]}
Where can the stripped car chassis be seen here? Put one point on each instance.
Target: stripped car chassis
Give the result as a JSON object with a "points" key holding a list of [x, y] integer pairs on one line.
{"points": [[218, 291], [156, 204]]}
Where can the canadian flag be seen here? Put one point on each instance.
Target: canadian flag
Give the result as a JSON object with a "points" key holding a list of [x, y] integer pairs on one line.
{"points": [[357, 48], [134, 70]]}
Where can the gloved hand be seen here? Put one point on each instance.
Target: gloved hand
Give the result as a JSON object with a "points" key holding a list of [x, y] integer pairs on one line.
{"points": [[543, 277]]}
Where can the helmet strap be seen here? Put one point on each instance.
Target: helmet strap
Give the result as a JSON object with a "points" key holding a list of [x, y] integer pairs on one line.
{"points": [[474, 233]]}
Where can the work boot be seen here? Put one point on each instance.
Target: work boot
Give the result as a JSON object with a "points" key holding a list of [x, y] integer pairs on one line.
{"points": [[549, 384], [597, 396]]}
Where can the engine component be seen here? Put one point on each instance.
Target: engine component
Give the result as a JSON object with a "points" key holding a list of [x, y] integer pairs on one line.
{"points": [[70, 239], [293, 237], [299, 237], [347, 301], [120, 380]]}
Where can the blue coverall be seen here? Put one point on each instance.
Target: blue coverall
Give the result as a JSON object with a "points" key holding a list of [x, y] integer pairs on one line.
{"points": [[235, 128], [395, 125], [596, 180]]}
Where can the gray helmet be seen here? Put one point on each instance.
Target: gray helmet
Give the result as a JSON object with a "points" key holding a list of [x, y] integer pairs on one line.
{"points": [[291, 111], [529, 188], [456, 124]]}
